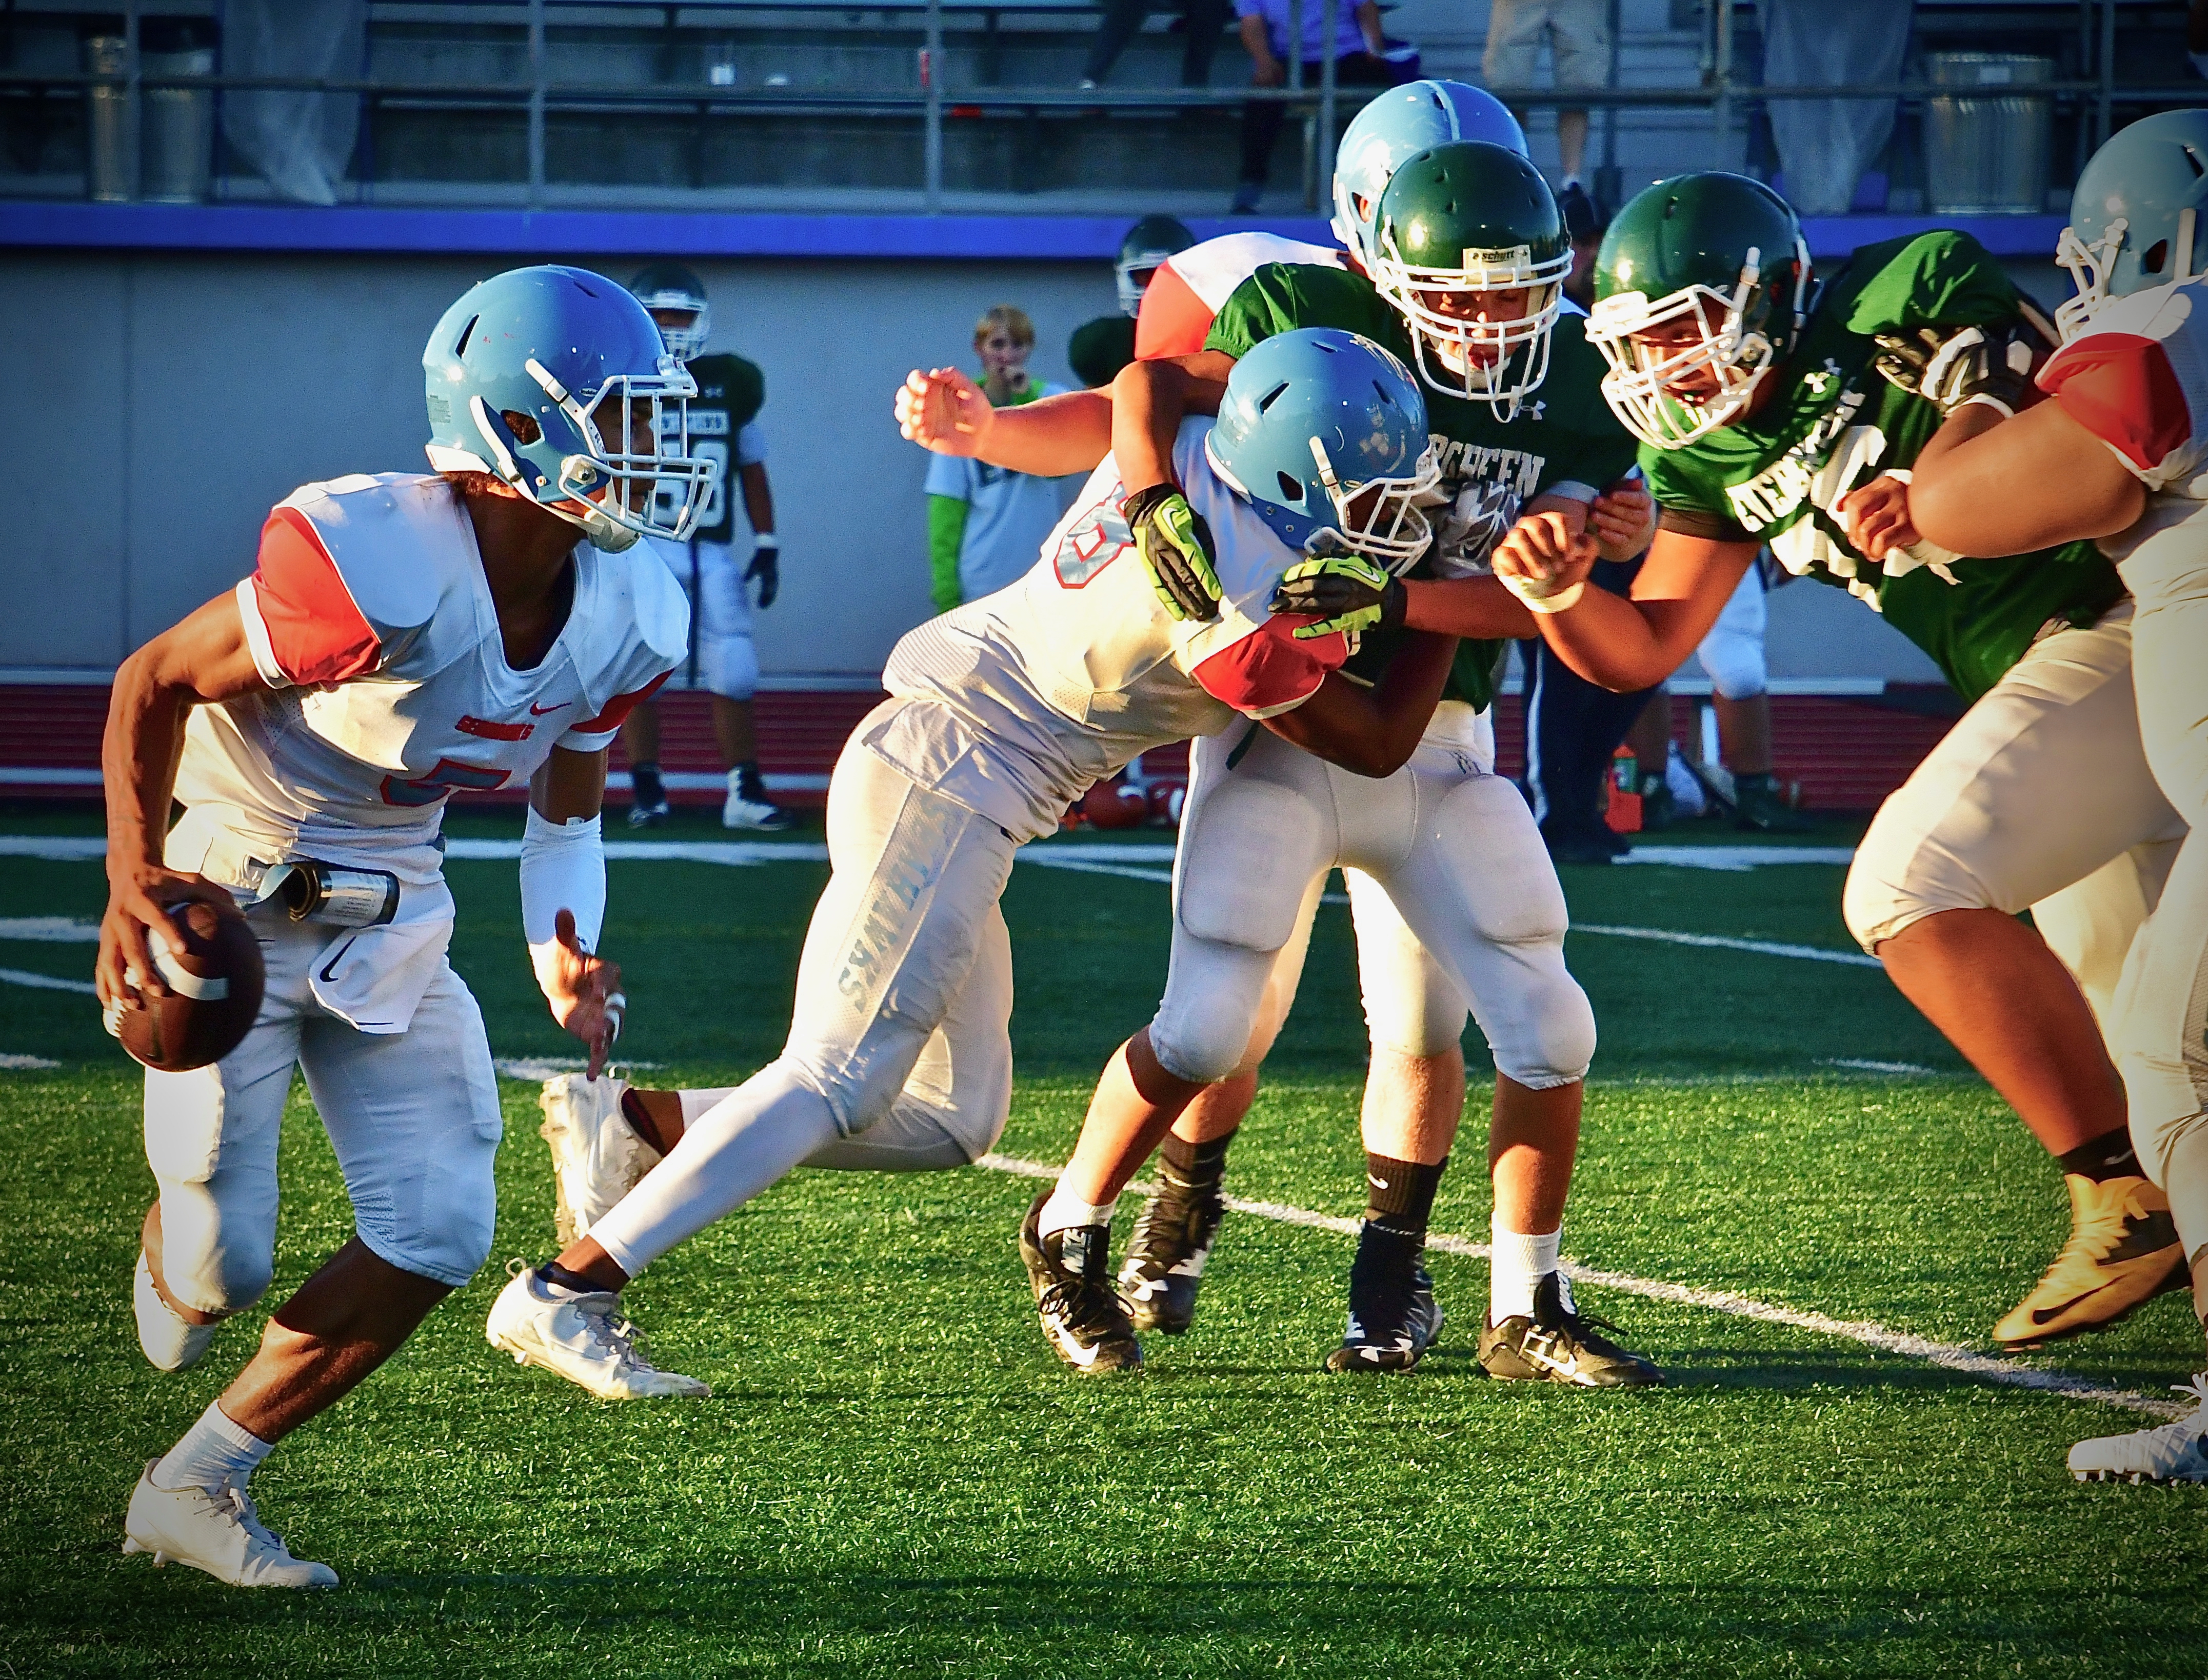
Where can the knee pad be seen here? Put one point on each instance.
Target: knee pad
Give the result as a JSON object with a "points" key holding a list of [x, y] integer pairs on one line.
{"points": [[729, 664], [1735, 666], [1203, 1037], [1899, 877], [214, 1258], [1544, 1036]]}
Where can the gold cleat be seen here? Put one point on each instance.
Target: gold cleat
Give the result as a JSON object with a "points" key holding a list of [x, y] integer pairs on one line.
{"points": [[2123, 1249]]}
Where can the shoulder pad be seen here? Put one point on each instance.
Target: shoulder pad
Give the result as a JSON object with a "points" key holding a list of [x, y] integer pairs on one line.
{"points": [[638, 611], [396, 542]]}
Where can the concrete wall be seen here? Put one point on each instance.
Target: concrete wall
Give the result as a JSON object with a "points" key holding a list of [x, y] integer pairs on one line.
{"points": [[162, 404]]}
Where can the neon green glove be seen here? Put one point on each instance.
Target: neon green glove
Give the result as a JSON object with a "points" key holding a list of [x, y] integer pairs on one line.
{"points": [[1174, 542], [1347, 594]]}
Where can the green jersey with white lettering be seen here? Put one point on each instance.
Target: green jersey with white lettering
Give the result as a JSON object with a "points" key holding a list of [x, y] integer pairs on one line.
{"points": [[1564, 440], [1834, 423]]}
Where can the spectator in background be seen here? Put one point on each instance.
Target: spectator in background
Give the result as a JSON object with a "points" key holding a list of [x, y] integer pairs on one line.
{"points": [[1205, 20], [1578, 35], [1826, 145], [1358, 50], [985, 525], [1585, 227]]}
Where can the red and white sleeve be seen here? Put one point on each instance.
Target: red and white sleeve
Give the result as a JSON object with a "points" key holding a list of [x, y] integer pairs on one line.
{"points": [[1173, 320], [1268, 671], [300, 621], [595, 735], [2122, 388]]}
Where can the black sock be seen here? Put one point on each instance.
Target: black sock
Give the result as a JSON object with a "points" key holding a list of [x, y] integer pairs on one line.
{"points": [[750, 784], [647, 787], [1198, 1166], [2110, 1155], [553, 1272], [1400, 1194]]}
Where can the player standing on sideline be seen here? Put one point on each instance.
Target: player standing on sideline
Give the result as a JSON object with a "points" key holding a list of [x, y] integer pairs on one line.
{"points": [[1476, 198], [1766, 420], [1000, 715], [725, 428], [1099, 348], [402, 635], [2117, 454]]}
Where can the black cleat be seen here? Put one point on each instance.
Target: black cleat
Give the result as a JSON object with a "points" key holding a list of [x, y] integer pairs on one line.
{"points": [[1173, 1235], [1393, 1315], [1082, 1316], [1557, 1345]]}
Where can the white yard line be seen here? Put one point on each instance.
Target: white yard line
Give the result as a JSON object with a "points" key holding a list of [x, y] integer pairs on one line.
{"points": [[1717, 941], [46, 982], [49, 929], [1946, 1355]]}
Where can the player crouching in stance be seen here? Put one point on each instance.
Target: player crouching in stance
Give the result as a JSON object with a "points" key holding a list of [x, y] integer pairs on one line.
{"points": [[402, 635], [1001, 714], [2115, 453], [1772, 414]]}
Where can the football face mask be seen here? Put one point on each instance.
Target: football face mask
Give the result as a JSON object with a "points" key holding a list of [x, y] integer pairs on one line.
{"points": [[1381, 518], [1481, 331], [1682, 365]]}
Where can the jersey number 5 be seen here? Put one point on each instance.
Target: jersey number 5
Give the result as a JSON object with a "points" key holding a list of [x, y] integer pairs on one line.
{"points": [[447, 776]]}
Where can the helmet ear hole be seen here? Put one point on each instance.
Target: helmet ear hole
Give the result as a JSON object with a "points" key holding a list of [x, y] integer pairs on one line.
{"points": [[461, 346], [2157, 254], [524, 429], [1272, 396], [1292, 489]]}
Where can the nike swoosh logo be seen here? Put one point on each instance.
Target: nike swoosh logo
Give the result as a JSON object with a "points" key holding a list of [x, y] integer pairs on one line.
{"points": [[327, 968], [1084, 1357], [537, 710], [2047, 1315]]}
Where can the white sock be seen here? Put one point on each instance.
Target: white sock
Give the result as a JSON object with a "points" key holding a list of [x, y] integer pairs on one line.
{"points": [[213, 1453], [1520, 1263], [1064, 1211], [697, 1104]]}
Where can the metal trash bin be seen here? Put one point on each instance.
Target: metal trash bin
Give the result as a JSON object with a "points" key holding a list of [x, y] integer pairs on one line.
{"points": [[108, 137], [1985, 151], [179, 129]]}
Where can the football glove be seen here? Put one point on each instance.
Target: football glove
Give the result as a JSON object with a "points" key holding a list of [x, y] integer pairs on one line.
{"points": [[1174, 542], [1347, 593], [1992, 364], [767, 567]]}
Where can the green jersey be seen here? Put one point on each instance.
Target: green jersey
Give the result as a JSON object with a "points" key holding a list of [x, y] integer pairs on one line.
{"points": [[1566, 440], [730, 393], [1834, 423]]}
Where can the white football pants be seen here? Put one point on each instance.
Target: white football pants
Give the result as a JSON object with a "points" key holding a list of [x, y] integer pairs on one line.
{"points": [[720, 613], [1457, 907], [2161, 1048], [1732, 652], [2039, 798], [413, 1116], [900, 1052]]}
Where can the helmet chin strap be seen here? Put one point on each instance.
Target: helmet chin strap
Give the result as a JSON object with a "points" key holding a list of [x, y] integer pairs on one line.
{"points": [[2185, 220]]}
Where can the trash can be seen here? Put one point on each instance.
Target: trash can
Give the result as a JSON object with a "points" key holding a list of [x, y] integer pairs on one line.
{"points": [[107, 121], [1985, 150], [179, 129]]}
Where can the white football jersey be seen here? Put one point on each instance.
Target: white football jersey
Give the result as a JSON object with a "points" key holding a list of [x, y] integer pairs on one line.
{"points": [[1058, 679], [1188, 288], [371, 620]]}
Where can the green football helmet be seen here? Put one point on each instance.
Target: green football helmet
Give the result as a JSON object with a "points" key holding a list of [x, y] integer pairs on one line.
{"points": [[1148, 244], [1722, 252], [669, 288], [1457, 221]]}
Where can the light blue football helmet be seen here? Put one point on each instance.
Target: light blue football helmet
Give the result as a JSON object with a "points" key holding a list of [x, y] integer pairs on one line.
{"points": [[1398, 123], [1323, 434], [556, 381], [2136, 218]]}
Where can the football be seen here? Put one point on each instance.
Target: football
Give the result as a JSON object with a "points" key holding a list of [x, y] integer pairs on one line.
{"points": [[213, 991], [1114, 805]]}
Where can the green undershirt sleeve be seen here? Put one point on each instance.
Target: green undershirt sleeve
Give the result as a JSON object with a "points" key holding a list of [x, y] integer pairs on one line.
{"points": [[946, 530]]}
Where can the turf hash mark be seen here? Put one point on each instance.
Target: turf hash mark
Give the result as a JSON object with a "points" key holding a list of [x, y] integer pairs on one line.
{"points": [[1947, 1355]]}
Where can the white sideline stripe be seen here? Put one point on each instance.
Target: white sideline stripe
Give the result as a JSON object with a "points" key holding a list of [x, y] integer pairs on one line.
{"points": [[1865, 1064], [1762, 947], [46, 982], [14, 1063], [1944, 1354], [1733, 859], [50, 929]]}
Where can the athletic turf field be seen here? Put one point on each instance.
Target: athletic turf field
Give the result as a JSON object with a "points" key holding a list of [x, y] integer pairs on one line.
{"points": [[896, 1475]]}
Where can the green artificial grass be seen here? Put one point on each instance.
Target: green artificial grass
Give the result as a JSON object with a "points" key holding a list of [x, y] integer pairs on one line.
{"points": [[895, 1475]]}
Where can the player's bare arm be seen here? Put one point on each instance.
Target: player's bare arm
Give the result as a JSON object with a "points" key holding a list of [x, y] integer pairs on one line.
{"points": [[583, 988], [1626, 642], [2017, 485], [943, 410], [1372, 731], [201, 661]]}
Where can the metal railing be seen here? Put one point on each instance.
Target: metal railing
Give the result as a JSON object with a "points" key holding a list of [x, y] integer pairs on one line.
{"points": [[1721, 92]]}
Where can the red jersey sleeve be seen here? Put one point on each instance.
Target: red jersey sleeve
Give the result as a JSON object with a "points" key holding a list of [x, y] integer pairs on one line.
{"points": [[1268, 671], [301, 620], [1173, 320], [2120, 387]]}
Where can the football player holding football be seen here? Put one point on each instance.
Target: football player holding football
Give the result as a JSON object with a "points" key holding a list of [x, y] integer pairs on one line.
{"points": [[1465, 234], [2116, 453], [402, 635], [1772, 413], [1001, 714]]}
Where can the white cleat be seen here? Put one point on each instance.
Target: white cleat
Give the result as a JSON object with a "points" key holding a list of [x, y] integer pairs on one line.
{"points": [[167, 1340], [2176, 1452], [581, 1338], [597, 1156], [217, 1530], [737, 812]]}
